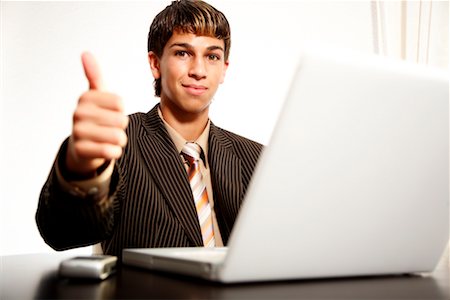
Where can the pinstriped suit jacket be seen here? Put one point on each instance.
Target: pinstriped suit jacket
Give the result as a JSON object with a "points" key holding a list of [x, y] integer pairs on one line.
{"points": [[150, 202]]}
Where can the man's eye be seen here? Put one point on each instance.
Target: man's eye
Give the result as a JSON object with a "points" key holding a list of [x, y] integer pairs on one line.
{"points": [[213, 57], [181, 53]]}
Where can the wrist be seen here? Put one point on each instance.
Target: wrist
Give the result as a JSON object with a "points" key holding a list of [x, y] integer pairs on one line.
{"points": [[94, 186], [73, 170]]}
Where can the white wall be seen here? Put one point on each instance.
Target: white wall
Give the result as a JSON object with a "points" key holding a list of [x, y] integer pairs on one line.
{"points": [[42, 78]]}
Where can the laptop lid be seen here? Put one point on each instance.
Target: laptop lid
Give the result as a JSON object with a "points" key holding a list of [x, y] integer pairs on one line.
{"points": [[355, 179]]}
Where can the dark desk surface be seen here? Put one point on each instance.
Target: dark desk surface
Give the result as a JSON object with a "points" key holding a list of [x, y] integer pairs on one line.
{"points": [[35, 277]]}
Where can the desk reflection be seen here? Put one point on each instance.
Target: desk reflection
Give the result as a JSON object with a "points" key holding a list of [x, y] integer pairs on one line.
{"points": [[54, 287], [36, 276], [132, 283]]}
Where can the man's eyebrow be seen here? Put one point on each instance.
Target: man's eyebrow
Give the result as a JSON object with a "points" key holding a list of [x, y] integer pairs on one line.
{"points": [[190, 47], [211, 48]]}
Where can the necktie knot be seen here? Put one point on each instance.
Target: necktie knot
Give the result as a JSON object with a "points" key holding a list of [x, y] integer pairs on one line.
{"points": [[191, 152]]}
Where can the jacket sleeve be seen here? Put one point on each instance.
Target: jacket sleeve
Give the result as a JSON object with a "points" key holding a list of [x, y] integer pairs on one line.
{"points": [[67, 220]]}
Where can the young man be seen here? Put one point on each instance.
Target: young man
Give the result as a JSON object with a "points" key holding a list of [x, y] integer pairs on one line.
{"points": [[138, 181]]}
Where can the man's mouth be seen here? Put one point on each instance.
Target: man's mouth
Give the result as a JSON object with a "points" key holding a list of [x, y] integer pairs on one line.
{"points": [[195, 89]]}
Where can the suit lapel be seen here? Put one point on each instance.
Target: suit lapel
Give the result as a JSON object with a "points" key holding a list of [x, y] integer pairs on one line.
{"points": [[226, 176], [167, 170]]}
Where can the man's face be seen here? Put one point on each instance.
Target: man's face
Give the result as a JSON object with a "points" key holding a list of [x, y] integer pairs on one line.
{"points": [[191, 69]]}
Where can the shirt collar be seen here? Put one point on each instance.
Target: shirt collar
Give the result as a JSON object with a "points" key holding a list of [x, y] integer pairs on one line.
{"points": [[179, 141]]}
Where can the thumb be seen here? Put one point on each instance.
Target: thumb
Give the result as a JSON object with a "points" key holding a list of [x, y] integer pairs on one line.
{"points": [[92, 71]]}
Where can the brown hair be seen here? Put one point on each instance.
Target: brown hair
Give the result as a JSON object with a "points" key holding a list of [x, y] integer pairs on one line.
{"points": [[187, 16]]}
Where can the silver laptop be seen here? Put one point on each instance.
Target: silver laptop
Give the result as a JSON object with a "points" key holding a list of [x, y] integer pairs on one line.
{"points": [[354, 181]]}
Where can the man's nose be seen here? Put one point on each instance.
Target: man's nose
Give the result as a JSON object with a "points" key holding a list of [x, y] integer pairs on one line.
{"points": [[198, 68]]}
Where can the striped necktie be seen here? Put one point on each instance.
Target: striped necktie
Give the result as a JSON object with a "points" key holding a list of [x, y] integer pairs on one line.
{"points": [[191, 152]]}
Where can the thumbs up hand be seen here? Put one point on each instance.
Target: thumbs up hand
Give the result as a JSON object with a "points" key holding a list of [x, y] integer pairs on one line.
{"points": [[99, 123]]}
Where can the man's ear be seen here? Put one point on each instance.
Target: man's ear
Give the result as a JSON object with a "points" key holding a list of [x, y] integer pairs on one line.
{"points": [[153, 60], [222, 78]]}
